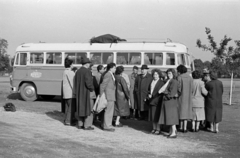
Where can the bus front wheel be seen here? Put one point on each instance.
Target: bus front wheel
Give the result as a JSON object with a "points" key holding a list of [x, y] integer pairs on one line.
{"points": [[28, 92]]}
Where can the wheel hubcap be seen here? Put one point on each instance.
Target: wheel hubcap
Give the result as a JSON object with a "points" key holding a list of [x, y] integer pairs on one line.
{"points": [[29, 91]]}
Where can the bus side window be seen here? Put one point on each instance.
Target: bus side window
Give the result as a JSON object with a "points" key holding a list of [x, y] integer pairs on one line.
{"points": [[170, 59], [122, 58], [107, 58], [158, 58], [101, 58], [181, 59], [148, 58], [36, 58], [135, 58], [23, 58], [95, 58], [71, 56], [54, 58], [79, 57]]}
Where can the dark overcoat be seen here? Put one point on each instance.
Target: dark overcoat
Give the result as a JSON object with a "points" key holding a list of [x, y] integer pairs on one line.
{"points": [[83, 85], [156, 97], [122, 97], [214, 101], [169, 111], [156, 101], [141, 89], [185, 88]]}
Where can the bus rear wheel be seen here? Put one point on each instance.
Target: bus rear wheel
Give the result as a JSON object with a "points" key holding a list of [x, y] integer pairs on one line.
{"points": [[28, 92]]}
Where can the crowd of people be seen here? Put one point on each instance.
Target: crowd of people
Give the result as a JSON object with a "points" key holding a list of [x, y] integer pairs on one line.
{"points": [[166, 99]]}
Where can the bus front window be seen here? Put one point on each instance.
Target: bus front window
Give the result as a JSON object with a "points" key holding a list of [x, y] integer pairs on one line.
{"points": [[23, 58]]}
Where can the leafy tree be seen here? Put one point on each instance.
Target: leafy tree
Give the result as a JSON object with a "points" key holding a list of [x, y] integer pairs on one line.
{"points": [[228, 56], [198, 64], [3, 46], [4, 57]]}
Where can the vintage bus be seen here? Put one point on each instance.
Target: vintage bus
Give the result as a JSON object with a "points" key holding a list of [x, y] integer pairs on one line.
{"points": [[38, 67]]}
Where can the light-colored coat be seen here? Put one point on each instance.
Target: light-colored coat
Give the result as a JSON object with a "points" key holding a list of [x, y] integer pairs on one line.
{"points": [[108, 87], [185, 87], [198, 91], [68, 85]]}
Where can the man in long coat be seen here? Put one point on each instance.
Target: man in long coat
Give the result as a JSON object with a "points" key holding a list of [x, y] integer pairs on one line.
{"points": [[83, 85], [108, 87], [133, 99], [141, 88]]}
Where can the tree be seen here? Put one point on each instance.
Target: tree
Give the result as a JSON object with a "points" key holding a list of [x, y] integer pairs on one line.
{"points": [[3, 46], [4, 57], [198, 65], [228, 56]]}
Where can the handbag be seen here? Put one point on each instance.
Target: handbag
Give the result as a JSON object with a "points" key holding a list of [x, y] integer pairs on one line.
{"points": [[100, 104]]}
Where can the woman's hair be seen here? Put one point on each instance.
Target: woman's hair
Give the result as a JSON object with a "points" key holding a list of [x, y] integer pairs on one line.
{"points": [[196, 74], [68, 63], [173, 72], [119, 70], [158, 71], [74, 69], [213, 75], [110, 65], [135, 67], [181, 69], [99, 67]]}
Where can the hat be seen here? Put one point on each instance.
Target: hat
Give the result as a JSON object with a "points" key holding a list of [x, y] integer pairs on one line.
{"points": [[85, 61], [144, 67]]}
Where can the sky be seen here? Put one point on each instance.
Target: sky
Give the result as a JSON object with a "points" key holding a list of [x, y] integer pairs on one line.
{"points": [[66, 21]]}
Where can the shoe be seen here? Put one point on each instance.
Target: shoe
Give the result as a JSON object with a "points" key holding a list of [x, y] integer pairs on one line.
{"points": [[197, 130], [185, 131], [153, 131], [192, 130], [210, 130], [80, 127], [89, 128], [119, 125], [180, 130], [158, 132], [216, 131], [172, 136], [109, 129]]}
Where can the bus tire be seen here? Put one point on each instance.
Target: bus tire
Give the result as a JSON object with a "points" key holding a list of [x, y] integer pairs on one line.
{"points": [[28, 92], [47, 97]]}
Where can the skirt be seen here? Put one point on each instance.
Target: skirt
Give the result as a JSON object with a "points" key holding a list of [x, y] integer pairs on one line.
{"points": [[198, 113], [154, 113]]}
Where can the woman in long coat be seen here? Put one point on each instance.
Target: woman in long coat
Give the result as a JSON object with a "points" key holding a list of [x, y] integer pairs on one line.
{"points": [[155, 100], [199, 91], [185, 87], [122, 97], [214, 102], [169, 110]]}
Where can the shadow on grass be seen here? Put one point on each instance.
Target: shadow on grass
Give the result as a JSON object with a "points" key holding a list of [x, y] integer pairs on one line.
{"points": [[56, 115], [17, 96]]}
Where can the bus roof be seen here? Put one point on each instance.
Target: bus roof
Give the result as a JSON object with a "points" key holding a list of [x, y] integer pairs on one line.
{"points": [[88, 47]]}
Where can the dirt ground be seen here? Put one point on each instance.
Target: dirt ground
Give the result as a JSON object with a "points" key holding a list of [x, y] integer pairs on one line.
{"points": [[36, 130]]}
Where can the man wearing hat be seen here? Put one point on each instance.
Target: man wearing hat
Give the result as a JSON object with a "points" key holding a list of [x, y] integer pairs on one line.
{"points": [[141, 87], [83, 85]]}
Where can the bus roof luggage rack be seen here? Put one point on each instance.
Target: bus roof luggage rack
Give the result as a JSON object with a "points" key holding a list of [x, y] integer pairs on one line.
{"points": [[142, 40]]}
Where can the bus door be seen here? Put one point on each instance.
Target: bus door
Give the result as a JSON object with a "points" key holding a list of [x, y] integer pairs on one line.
{"points": [[20, 69]]}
